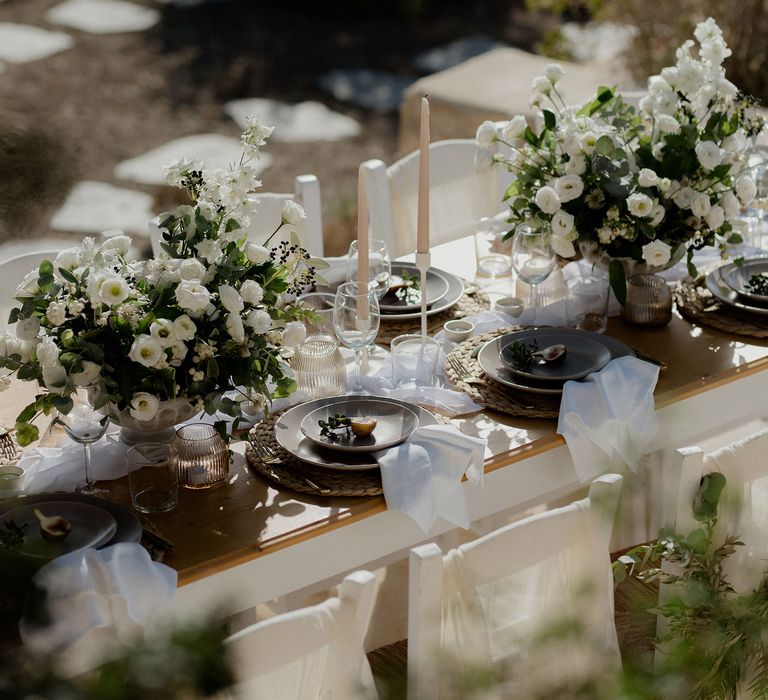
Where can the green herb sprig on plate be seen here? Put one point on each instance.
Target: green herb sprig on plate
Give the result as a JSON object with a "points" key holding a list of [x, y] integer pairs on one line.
{"points": [[522, 355], [335, 423]]}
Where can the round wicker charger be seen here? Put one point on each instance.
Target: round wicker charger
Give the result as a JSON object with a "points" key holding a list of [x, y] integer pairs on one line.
{"points": [[473, 301], [484, 390], [696, 303], [292, 472]]}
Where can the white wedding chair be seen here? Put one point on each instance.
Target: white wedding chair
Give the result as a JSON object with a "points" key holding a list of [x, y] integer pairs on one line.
{"points": [[459, 195], [483, 602], [314, 652], [12, 272], [268, 215]]}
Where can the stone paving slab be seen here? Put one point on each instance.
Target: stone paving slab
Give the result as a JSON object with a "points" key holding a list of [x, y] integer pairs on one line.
{"points": [[20, 43], [103, 16], [93, 207], [215, 150], [372, 89], [453, 54], [305, 121]]}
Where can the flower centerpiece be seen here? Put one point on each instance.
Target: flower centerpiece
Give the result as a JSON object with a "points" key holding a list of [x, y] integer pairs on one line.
{"points": [[208, 315], [650, 184]]}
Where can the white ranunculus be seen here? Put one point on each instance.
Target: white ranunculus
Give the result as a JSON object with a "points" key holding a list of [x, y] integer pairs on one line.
{"points": [[657, 215], [576, 164], [657, 85], [569, 187], [209, 250], [293, 213], [683, 197], [163, 331], [657, 253], [514, 128], [193, 297], [640, 204], [259, 320], [554, 72], [294, 334], [667, 124], [235, 328], [47, 352], [547, 200], [56, 313], [486, 134], [562, 223], [745, 189], [647, 178], [119, 245], [28, 287], [55, 378], [251, 292], [256, 254], [184, 327], [28, 328], [68, 259], [143, 406], [146, 350], [191, 269], [730, 204], [715, 217], [709, 154], [230, 298], [88, 375], [541, 85], [700, 205], [562, 246]]}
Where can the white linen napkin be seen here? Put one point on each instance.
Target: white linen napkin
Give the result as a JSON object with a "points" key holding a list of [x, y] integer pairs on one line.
{"points": [[422, 476], [99, 601], [608, 420]]}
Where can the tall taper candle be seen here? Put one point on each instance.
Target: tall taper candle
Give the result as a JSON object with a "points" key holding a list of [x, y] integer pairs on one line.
{"points": [[362, 245], [422, 227]]}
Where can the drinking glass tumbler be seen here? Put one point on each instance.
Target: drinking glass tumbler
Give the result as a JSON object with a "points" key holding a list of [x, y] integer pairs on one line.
{"points": [[203, 456], [153, 476], [649, 301]]}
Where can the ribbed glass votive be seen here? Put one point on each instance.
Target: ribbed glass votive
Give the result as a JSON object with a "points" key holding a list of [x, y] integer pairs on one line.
{"points": [[203, 456], [649, 301]]}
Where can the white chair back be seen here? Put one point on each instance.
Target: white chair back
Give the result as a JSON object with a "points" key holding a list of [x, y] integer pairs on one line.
{"points": [[459, 195], [315, 652], [483, 602], [12, 272]]}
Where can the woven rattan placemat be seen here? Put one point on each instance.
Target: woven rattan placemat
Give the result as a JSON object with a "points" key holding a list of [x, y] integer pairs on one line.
{"points": [[696, 303], [473, 301], [483, 390]]}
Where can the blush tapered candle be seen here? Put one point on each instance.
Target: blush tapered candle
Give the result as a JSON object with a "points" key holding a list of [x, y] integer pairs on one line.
{"points": [[362, 245], [422, 227]]}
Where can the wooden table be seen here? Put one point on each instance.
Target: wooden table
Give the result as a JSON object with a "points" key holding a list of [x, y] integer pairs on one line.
{"points": [[247, 542]]}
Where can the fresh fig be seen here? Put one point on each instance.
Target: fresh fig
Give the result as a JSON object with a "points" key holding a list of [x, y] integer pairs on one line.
{"points": [[552, 355], [52, 527]]}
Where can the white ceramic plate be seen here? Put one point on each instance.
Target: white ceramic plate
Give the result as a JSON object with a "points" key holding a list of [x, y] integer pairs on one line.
{"points": [[290, 438], [716, 284], [451, 298], [491, 363], [394, 424], [437, 288]]}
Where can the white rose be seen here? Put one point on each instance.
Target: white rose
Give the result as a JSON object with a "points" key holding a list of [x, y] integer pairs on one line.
{"points": [[657, 215], [683, 197], [514, 128], [657, 253], [294, 334], [541, 85], [87, 375], [163, 331], [562, 224], [293, 213], [547, 200], [256, 254], [700, 205], [715, 218], [576, 165], [667, 124], [745, 189], [28, 286], [251, 292], [191, 269], [119, 245], [146, 350], [28, 328], [56, 313], [569, 187], [184, 328], [55, 378], [143, 406], [209, 250], [230, 299], [640, 204], [730, 205], [486, 134], [259, 320], [709, 154], [47, 352], [193, 297], [647, 178], [562, 247], [234, 325], [554, 72]]}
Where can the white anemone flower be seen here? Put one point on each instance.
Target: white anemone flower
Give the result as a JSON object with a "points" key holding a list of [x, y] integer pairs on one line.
{"points": [[146, 350], [143, 406], [657, 253]]}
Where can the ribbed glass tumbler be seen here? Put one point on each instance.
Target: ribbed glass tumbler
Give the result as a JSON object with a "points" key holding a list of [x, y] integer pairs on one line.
{"points": [[203, 456], [649, 301]]}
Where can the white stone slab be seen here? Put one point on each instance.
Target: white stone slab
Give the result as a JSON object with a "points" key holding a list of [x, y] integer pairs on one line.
{"points": [[20, 43], [454, 53], [93, 207], [372, 89], [306, 121], [103, 16], [215, 150]]}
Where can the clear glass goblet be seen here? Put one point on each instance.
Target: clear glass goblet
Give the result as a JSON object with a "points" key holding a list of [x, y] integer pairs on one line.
{"points": [[533, 260], [85, 425], [379, 266], [356, 320]]}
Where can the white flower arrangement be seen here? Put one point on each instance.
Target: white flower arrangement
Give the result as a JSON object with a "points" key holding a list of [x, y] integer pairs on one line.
{"points": [[210, 314], [652, 184]]}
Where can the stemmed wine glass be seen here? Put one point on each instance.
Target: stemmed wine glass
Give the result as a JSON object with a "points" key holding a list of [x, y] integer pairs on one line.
{"points": [[85, 425], [379, 266], [356, 320], [760, 202], [533, 260]]}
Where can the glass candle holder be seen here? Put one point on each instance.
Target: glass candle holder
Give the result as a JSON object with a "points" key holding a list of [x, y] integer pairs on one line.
{"points": [[649, 301], [203, 456], [320, 369]]}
